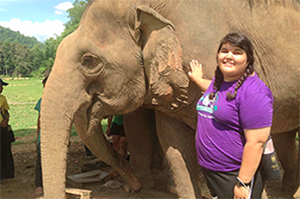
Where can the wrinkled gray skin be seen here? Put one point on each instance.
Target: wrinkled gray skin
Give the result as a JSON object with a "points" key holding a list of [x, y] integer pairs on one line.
{"points": [[128, 54]]}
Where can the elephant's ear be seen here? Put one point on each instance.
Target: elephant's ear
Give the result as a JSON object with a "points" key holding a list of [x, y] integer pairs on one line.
{"points": [[168, 82]]}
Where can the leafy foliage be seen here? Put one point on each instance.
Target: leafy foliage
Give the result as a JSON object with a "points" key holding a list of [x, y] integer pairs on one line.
{"points": [[75, 15], [15, 59]]}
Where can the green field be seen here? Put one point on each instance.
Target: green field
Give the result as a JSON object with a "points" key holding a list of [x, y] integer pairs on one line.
{"points": [[22, 95]]}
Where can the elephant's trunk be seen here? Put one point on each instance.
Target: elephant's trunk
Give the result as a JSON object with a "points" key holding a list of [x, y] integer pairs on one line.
{"points": [[98, 144], [54, 164], [57, 112]]}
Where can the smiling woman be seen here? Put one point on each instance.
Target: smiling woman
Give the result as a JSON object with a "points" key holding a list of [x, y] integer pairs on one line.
{"points": [[227, 121], [232, 61]]}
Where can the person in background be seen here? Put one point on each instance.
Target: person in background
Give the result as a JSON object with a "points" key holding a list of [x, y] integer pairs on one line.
{"points": [[38, 168], [88, 153], [234, 121], [115, 129], [7, 161]]}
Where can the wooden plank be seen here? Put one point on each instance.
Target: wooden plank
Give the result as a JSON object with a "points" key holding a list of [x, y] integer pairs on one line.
{"points": [[87, 180], [84, 194], [87, 177]]}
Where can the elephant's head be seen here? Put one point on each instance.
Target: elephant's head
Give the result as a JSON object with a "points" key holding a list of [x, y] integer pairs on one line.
{"points": [[120, 57]]}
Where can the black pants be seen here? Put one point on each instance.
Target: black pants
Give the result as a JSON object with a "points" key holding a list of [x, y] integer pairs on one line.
{"points": [[7, 161], [87, 151], [222, 184], [117, 130], [38, 170]]}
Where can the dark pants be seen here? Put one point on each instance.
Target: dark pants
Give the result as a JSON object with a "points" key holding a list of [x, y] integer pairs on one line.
{"points": [[117, 130], [222, 184], [7, 161], [38, 170], [87, 151]]}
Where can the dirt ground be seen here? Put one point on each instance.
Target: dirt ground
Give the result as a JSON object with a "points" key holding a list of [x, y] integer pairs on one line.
{"points": [[22, 186]]}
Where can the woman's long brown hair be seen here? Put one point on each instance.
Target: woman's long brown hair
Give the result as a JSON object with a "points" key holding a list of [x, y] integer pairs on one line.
{"points": [[238, 40]]}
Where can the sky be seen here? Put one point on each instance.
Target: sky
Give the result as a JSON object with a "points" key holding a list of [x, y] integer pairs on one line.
{"points": [[41, 19]]}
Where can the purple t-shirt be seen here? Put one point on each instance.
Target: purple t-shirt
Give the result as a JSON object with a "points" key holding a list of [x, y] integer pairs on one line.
{"points": [[219, 138]]}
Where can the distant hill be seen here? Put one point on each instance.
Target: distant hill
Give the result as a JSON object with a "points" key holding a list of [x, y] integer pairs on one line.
{"points": [[9, 36]]}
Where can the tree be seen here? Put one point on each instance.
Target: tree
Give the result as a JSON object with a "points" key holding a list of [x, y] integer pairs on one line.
{"points": [[23, 60], [75, 14], [6, 54]]}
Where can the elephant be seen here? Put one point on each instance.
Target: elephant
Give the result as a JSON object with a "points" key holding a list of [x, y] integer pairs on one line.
{"points": [[132, 57]]}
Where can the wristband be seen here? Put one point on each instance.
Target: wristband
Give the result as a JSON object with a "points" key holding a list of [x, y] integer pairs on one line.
{"points": [[241, 183]]}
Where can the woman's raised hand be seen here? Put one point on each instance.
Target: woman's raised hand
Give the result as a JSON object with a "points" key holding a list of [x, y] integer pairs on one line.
{"points": [[196, 71], [196, 75]]}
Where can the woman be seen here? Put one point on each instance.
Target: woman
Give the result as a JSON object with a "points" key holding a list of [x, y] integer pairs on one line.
{"points": [[234, 121], [38, 168], [115, 128], [7, 162]]}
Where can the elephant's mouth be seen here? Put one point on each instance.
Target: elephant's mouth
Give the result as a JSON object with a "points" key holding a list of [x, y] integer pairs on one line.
{"points": [[94, 115], [94, 111], [98, 109], [106, 102]]}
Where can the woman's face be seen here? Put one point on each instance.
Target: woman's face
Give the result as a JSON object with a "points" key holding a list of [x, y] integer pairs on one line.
{"points": [[232, 62]]}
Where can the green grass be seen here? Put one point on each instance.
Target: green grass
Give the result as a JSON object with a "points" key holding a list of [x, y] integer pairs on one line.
{"points": [[22, 96]]}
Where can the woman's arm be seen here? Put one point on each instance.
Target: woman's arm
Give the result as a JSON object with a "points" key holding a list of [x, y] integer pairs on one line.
{"points": [[5, 120], [253, 149], [196, 75], [109, 120], [38, 129]]}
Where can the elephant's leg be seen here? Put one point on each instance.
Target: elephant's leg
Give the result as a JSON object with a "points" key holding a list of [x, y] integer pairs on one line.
{"points": [[285, 144], [178, 143], [140, 131]]}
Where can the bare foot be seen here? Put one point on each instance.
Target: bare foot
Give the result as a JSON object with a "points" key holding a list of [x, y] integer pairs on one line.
{"points": [[39, 191]]}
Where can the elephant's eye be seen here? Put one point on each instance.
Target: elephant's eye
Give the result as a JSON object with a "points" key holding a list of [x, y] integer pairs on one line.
{"points": [[90, 64], [90, 61]]}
